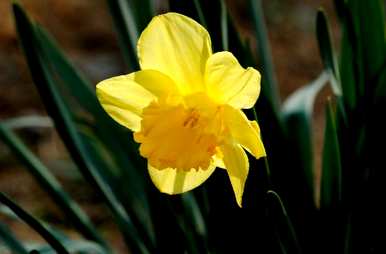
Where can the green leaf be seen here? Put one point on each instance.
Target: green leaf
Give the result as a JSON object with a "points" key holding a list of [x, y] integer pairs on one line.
{"points": [[34, 224], [11, 241], [62, 116], [269, 86], [48, 182], [363, 49], [200, 13], [28, 121], [195, 220], [331, 181], [380, 91], [127, 31], [130, 18], [283, 227], [297, 113], [73, 246], [79, 86], [187, 214], [327, 52], [349, 71], [104, 132], [192, 209], [369, 20], [224, 26]]}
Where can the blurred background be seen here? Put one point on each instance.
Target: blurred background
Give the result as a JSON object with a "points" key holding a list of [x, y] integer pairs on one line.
{"points": [[84, 30]]}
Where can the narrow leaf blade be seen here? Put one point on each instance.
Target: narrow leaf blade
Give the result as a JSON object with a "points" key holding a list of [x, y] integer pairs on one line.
{"points": [[62, 117], [297, 113], [34, 224], [331, 181], [326, 51], [51, 186]]}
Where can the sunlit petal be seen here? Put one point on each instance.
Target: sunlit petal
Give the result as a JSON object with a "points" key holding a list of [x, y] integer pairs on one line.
{"points": [[177, 46], [123, 99], [155, 82], [244, 132], [228, 82], [174, 181], [237, 165]]}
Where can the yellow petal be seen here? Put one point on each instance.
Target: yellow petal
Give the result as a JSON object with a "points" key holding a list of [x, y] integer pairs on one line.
{"points": [[244, 132], [228, 82], [178, 47], [155, 82], [237, 165], [124, 97], [172, 181], [218, 159]]}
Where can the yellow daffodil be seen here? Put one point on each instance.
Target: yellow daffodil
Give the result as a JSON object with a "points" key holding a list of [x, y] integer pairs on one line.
{"points": [[184, 106]]}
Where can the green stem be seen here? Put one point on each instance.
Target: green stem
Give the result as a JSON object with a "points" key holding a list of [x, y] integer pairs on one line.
{"points": [[266, 162], [264, 51], [267, 172]]}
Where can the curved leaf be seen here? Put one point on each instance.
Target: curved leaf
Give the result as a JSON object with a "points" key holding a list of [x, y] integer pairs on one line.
{"points": [[51, 185], [327, 52], [34, 224], [297, 113], [130, 17], [57, 109], [331, 181], [269, 83], [285, 231]]}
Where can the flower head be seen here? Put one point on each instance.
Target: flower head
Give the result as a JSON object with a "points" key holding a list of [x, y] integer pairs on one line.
{"points": [[184, 106]]}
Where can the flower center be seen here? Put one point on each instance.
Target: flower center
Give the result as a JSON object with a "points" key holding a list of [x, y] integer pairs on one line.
{"points": [[181, 135]]}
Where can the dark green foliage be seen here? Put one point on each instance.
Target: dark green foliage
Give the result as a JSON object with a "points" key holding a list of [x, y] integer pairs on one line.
{"points": [[49, 236], [280, 213]]}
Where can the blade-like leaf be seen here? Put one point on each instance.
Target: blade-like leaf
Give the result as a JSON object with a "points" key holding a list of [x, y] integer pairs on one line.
{"points": [[51, 186], [34, 224], [130, 18], [104, 131], [380, 91], [7, 237], [349, 70], [331, 181], [327, 52], [191, 208], [297, 112], [269, 86], [194, 222], [284, 229], [200, 13], [62, 117], [80, 87], [369, 20], [73, 246], [28, 121], [224, 26], [127, 31]]}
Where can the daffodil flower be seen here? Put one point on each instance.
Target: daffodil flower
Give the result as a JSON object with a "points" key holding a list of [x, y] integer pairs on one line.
{"points": [[185, 106]]}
